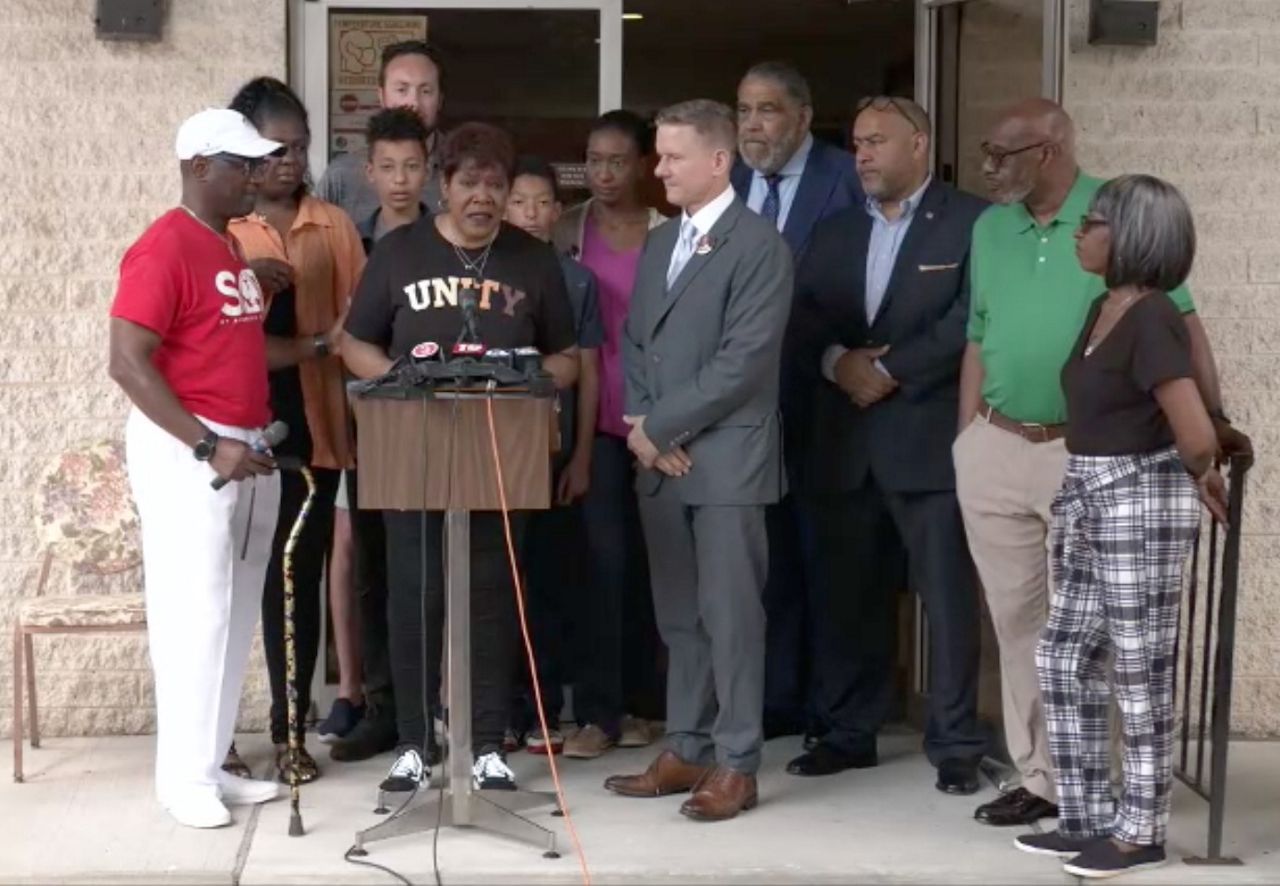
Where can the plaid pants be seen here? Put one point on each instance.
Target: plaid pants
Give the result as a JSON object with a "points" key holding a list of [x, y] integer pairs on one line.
{"points": [[1122, 530]]}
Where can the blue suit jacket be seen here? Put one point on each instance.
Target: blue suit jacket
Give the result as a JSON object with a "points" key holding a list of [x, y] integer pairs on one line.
{"points": [[828, 184]]}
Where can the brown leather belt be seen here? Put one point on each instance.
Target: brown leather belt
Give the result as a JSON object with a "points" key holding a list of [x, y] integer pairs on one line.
{"points": [[1032, 432]]}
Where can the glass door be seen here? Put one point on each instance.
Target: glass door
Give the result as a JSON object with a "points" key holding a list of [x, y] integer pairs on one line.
{"points": [[541, 69]]}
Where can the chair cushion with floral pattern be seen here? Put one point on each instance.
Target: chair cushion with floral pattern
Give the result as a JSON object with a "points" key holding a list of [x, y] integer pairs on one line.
{"points": [[84, 510], [84, 611]]}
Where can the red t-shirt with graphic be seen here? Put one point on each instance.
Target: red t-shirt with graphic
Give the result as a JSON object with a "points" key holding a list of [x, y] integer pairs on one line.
{"points": [[190, 286]]}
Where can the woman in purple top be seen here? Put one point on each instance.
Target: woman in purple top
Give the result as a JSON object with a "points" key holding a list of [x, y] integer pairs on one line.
{"points": [[617, 682]]}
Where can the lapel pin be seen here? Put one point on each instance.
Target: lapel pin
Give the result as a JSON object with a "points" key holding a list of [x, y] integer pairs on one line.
{"points": [[928, 215], [705, 244]]}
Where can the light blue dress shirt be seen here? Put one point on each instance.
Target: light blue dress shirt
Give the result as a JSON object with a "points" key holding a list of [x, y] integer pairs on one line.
{"points": [[882, 254], [788, 183], [882, 249]]}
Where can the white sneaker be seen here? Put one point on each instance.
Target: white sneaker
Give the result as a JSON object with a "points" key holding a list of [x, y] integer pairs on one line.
{"points": [[199, 809], [491, 773], [408, 773], [237, 791]]}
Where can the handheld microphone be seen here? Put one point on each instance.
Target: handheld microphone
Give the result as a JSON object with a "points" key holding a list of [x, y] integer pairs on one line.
{"points": [[273, 434]]}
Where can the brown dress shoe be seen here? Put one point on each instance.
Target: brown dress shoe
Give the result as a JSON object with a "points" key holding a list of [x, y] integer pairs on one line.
{"points": [[668, 774], [721, 795]]}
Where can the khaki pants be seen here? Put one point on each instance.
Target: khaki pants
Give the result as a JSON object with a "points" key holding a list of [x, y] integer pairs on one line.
{"points": [[1005, 485]]}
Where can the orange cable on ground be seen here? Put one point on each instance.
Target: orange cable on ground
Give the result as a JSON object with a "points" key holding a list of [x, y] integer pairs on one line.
{"points": [[528, 643]]}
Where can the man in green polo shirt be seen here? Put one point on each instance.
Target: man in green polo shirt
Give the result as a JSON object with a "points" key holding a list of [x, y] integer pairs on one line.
{"points": [[1029, 298]]}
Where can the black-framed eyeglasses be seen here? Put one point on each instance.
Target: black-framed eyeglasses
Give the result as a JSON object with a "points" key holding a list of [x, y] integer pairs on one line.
{"points": [[886, 103], [248, 166], [1089, 222], [997, 156]]}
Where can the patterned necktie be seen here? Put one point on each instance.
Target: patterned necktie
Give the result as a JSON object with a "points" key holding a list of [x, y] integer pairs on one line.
{"points": [[772, 200], [683, 251]]}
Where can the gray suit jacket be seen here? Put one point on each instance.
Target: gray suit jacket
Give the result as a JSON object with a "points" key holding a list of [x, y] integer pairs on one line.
{"points": [[702, 360]]}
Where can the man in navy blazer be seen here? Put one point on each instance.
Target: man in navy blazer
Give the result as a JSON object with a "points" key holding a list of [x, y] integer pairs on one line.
{"points": [[794, 181], [878, 330]]}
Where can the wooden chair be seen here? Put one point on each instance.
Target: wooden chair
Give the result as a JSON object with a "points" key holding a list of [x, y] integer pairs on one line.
{"points": [[85, 518]]}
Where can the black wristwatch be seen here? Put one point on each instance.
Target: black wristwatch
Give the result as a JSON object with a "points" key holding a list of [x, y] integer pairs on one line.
{"points": [[204, 450], [321, 345]]}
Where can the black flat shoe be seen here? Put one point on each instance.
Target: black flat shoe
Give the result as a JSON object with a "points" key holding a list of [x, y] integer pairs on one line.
{"points": [[1053, 843], [1018, 807], [1104, 859], [958, 775], [826, 760]]}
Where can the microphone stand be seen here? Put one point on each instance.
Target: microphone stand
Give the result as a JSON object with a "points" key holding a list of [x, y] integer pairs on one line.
{"points": [[290, 641]]}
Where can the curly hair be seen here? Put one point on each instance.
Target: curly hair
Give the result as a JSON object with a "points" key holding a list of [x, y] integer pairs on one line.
{"points": [[481, 144], [396, 125]]}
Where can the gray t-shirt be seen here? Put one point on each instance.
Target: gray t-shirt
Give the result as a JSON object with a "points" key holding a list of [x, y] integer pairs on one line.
{"points": [[345, 184]]}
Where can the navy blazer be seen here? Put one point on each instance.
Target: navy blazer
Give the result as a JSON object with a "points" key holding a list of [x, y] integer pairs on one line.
{"points": [[903, 441], [828, 184]]}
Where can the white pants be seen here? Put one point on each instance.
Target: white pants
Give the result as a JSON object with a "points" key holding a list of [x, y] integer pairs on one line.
{"points": [[203, 584]]}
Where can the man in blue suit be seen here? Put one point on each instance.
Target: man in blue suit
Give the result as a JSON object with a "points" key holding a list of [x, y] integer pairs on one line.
{"points": [[793, 180]]}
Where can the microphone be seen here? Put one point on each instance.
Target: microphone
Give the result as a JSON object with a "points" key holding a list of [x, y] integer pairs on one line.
{"points": [[425, 351], [273, 434], [470, 333]]}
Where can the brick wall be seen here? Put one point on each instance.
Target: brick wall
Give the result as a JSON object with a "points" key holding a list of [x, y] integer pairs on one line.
{"points": [[86, 145], [1202, 109]]}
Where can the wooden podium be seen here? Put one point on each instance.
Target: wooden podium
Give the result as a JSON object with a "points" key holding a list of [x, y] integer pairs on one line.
{"points": [[434, 451]]}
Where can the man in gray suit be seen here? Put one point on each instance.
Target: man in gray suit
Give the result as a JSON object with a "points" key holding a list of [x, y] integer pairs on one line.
{"points": [[702, 350]]}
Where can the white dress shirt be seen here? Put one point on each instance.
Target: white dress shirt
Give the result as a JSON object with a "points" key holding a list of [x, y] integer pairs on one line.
{"points": [[703, 220]]}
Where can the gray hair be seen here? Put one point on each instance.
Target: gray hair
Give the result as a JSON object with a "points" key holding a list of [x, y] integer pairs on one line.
{"points": [[1153, 237], [786, 76], [712, 120]]}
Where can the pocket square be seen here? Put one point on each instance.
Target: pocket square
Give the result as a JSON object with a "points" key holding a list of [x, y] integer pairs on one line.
{"points": [[927, 268]]}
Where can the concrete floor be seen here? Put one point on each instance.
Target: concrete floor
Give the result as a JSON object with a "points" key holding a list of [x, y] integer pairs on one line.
{"points": [[86, 815]]}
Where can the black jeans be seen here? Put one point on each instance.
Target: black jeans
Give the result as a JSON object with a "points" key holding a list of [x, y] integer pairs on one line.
{"points": [[554, 568], [620, 661], [415, 615], [370, 579], [309, 558]]}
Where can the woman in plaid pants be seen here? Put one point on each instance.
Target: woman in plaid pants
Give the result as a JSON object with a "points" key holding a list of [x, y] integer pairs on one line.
{"points": [[1141, 448]]}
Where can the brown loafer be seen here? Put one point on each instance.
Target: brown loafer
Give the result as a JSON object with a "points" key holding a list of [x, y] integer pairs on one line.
{"points": [[721, 795], [667, 774]]}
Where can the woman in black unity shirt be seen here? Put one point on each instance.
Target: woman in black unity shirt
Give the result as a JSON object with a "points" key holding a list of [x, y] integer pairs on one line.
{"points": [[1141, 449], [409, 293]]}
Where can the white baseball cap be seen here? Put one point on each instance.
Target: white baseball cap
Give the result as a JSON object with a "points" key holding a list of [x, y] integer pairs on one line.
{"points": [[221, 131]]}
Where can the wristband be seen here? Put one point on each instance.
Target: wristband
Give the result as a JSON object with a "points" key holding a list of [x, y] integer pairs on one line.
{"points": [[321, 345]]}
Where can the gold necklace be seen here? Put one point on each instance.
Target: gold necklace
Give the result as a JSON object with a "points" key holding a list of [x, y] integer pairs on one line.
{"points": [[224, 237], [1094, 341]]}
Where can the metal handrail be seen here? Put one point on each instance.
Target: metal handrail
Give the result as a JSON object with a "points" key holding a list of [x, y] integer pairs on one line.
{"points": [[1215, 657]]}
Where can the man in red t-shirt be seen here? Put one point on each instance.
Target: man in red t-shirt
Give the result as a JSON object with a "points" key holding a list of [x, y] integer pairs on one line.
{"points": [[187, 346]]}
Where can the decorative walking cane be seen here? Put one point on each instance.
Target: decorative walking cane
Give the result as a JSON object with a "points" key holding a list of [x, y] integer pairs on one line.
{"points": [[290, 650]]}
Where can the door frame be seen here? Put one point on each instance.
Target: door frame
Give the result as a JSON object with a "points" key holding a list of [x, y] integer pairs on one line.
{"points": [[309, 47]]}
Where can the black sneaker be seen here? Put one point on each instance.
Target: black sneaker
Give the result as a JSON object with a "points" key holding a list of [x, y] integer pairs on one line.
{"points": [[1104, 859], [1053, 843], [408, 773], [491, 773], [343, 718], [374, 735]]}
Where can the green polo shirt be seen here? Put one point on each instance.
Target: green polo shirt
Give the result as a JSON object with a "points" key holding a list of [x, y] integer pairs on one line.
{"points": [[1028, 301]]}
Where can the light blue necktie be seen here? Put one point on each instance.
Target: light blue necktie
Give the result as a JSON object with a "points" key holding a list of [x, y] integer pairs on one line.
{"points": [[683, 251]]}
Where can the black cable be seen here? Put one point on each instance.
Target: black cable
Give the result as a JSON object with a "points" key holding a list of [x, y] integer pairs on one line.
{"points": [[351, 859]]}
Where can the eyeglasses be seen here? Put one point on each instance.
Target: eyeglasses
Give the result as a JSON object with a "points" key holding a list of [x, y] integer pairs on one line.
{"points": [[997, 156], [249, 166], [1089, 222], [888, 102]]}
